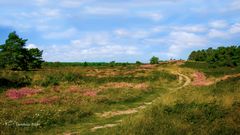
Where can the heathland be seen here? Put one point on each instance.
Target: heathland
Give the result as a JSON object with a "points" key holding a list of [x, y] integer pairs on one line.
{"points": [[98, 98]]}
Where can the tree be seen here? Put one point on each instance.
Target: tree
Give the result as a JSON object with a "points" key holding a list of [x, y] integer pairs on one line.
{"points": [[154, 60], [222, 56], [14, 55], [138, 62], [35, 60], [112, 63]]}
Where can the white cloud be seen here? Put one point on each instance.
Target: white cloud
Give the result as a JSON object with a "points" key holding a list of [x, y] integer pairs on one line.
{"points": [[51, 12], [73, 53], [30, 46], [73, 3], [95, 46], [121, 32], [42, 13], [229, 32], [187, 39], [41, 2], [180, 41], [138, 33], [69, 33], [190, 28], [235, 5], [235, 28], [110, 51], [218, 24], [152, 16], [92, 39], [104, 11], [213, 33]]}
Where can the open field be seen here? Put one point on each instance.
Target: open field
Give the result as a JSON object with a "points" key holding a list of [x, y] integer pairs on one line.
{"points": [[169, 98]]}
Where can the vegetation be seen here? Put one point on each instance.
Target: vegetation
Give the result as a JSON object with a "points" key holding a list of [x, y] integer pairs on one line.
{"points": [[202, 110], [14, 56], [119, 98], [77, 64], [209, 70], [60, 96], [222, 56], [138, 62], [154, 60]]}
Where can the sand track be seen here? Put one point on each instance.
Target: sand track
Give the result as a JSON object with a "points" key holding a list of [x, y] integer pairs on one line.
{"points": [[183, 80]]}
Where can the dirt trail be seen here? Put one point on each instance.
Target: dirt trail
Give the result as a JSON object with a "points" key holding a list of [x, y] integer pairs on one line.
{"points": [[227, 77], [186, 83], [182, 79], [104, 126], [124, 112]]}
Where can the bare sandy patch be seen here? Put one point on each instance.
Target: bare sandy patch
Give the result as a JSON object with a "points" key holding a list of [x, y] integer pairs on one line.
{"points": [[104, 126], [141, 86], [74, 89], [147, 66], [121, 112], [199, 79]]}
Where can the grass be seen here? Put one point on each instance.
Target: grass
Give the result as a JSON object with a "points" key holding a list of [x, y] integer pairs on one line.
{"points": [[195, 110], [210, 71], [71, 95]]}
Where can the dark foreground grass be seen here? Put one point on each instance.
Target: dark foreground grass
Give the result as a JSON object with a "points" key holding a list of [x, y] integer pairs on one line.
{"points": [[213, 110]]}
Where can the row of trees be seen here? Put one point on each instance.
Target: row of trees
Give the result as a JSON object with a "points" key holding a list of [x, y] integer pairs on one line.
{"points": [[222, 56], [14, 55]]}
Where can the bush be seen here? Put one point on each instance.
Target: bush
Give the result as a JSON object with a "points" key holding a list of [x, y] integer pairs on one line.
{"points": [[138, 63], [154, 60], [50, 80]]}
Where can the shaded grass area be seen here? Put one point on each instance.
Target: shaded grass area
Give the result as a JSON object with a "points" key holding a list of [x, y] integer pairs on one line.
{"points": [[209, 70], [196, 110], [27, 115], [13, 80]]}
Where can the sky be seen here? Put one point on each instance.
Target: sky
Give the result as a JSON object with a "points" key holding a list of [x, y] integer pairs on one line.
{"points": [[121, 30]]}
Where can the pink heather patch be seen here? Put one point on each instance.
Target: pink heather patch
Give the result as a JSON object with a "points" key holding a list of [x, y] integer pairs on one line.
{"points": [[48, 100], [23, 92], [200, 79], [90, 93]]}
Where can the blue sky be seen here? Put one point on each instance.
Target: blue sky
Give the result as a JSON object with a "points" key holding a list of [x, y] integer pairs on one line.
{"points": [[121, 30]]}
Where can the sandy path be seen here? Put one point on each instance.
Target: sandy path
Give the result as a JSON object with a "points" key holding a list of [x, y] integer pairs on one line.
{"points": [[182, 79]]}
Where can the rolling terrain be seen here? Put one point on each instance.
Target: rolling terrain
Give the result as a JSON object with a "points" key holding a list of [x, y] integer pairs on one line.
{"points": [[168, 98]]}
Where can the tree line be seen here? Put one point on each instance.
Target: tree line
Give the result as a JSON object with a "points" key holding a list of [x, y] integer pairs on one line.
{"points": [[221, 56], [15, 56]]}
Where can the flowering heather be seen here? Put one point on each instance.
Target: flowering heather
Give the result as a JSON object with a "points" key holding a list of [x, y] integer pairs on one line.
{"points": [[90, 93], [20, 93], [48, 100]]}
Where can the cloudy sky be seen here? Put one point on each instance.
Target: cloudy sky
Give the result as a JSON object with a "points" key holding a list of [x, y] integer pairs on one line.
{"points": [[121, 30]]}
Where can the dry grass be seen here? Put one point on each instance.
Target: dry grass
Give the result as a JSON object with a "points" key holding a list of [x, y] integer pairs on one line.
{"points": [[140, 86]]}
